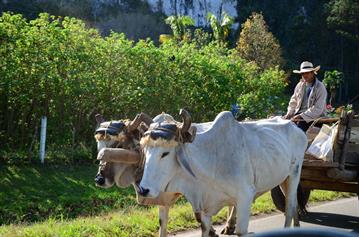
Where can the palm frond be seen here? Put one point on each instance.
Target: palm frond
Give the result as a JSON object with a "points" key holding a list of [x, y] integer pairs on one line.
{"points": [[227, 20]]}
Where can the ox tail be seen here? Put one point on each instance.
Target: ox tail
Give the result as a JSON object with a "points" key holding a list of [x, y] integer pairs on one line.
{"points": [[299, 147]]}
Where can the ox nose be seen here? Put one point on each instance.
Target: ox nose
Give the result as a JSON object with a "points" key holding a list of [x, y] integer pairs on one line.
{"points": [[143, 191], [99, 180]]}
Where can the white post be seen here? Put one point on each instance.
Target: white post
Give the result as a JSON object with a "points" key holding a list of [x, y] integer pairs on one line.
{"points": [[43, 138]]}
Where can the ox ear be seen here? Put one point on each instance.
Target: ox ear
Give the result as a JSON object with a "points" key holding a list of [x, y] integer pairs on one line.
{"points": [[99, 119], [182, 160], [189, 135]]}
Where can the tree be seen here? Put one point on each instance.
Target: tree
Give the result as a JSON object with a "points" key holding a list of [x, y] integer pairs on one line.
{"points": [[220, 28], [332, 80], [343, 16], [257, 44], [179, 24]]}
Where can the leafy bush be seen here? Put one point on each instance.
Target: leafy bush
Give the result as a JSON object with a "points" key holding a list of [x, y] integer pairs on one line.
{"points": [[262, 95], [333, 79], [57, 67]]}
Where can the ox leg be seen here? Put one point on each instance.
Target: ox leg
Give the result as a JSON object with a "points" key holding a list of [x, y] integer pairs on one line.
{"points": [[243, 212], [212, 232], [291, 210], [231, 221], [206, 225], [163, 219]]}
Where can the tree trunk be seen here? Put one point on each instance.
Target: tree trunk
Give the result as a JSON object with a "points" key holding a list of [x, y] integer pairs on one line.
{"points": [[333, 92]]}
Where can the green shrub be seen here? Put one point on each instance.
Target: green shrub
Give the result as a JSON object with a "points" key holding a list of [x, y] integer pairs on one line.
{"points": [[333, 79], [59, 68]]}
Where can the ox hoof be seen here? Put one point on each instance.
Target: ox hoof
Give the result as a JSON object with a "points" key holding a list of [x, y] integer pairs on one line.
{"points": [[212, 233], [228, 230], [302, 212], [248, 234]]}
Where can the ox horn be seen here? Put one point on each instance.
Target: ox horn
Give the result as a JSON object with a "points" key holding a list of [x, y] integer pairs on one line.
{"points": [[99, 119], [142, 117], [187, 120], [118, 155]]}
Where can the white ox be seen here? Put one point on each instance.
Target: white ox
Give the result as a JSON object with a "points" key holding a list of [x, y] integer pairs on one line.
{"points": [[231, 163], [120, 163]]}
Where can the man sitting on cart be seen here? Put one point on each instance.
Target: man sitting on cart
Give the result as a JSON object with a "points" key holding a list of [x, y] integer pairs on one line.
{"points": [[308, 101]]}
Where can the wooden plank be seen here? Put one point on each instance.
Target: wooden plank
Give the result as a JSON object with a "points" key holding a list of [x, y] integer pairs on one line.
{"points": [[354, 135], [352, 159], [339, 138], [319, 163], [343, 175], [332, 186], [328, 120], [315, 174], [354, 148], [355, 123], [311, 158], [308, 156], [344, 151]]}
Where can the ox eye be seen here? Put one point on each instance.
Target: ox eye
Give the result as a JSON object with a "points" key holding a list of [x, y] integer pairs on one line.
{"points": [[164, 154]]}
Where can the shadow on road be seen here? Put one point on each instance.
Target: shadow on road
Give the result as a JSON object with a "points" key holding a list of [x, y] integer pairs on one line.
{"points": [[333, 220]]}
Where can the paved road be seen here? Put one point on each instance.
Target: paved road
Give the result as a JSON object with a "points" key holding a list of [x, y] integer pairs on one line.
{"points": [[341, 215]]}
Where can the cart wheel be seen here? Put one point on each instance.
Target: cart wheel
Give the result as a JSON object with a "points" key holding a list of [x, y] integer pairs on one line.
{"points": [[279, 199]]}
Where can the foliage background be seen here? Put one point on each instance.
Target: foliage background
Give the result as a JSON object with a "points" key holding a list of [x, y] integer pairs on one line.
{"points": [[100, 71], [59, 68], [325, 32]]}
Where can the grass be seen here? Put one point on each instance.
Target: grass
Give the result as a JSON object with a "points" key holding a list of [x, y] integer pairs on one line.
{"points": [[63, 201], [32, 194]]}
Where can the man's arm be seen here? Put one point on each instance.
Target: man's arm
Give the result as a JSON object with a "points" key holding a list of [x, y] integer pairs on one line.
{"points": [[293, 103]]}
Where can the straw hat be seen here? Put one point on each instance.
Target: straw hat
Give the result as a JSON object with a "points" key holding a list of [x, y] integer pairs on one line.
{"points": [[307, 67]]}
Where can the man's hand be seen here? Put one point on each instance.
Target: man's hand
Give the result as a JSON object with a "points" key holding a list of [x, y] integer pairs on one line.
{"points": [[296, 118], [287, 116]]}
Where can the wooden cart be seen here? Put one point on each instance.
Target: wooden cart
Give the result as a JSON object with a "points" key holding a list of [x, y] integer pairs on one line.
{"points": [[340, 175]]}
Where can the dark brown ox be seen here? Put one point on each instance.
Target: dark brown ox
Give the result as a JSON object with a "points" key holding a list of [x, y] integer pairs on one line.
{"points": [[121, 164]]}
